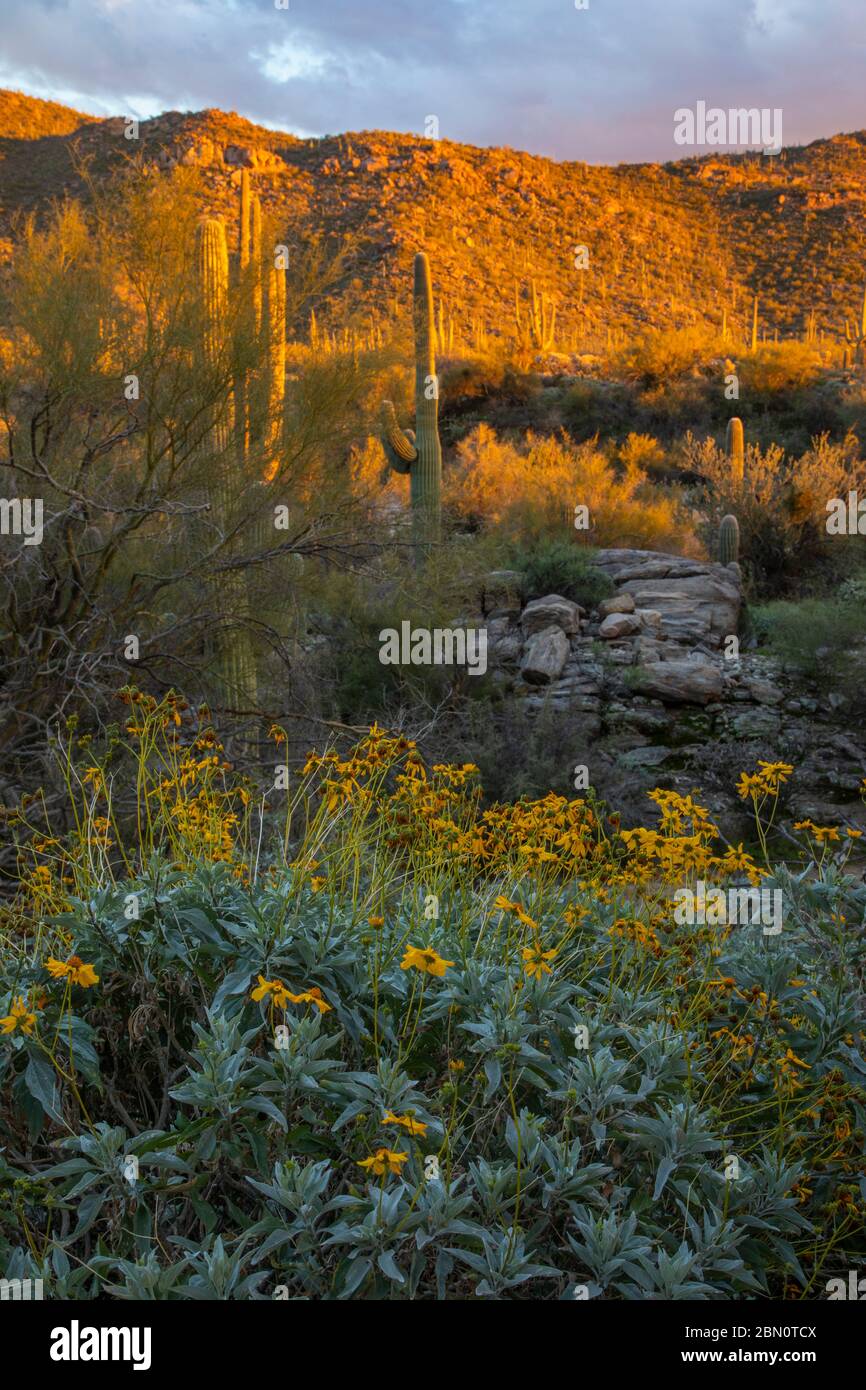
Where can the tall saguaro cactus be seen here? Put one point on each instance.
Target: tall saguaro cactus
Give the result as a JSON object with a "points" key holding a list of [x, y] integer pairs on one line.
{"points": [[755, 325], [736, 448], [275, 329], [237, 669], [419, 453]]}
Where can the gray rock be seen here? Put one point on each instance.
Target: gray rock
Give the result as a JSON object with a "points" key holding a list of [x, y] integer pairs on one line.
{"points": [[577, 684], [647, 652], [504, 641], [756, 723], [685, 682], [763, 693], [650, 619], [698, 601], [620, 603], [618, 625], [505, 650], [545, 656], [653, 756], [551, 611], [647, 719]]}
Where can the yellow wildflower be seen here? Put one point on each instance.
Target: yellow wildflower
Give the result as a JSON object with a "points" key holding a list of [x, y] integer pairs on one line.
{"points": [[384, 1161], [536, 959], [428, 962], [19, 1017], [412, 1126], [278, 991], [75, 969], [311, 996]]}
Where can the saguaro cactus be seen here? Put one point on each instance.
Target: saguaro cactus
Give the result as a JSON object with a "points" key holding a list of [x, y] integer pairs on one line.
{"points": [[541, 329], [736, 448], [237, 670], [419, 453], [275, 330], [755, 325], [543, 320], [729, 541]]}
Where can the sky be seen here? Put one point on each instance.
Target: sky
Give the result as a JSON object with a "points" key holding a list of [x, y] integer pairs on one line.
{"points": [[600, 83]]}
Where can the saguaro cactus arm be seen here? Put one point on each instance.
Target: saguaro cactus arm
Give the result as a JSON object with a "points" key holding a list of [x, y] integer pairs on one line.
{"points": [[399, 444]]}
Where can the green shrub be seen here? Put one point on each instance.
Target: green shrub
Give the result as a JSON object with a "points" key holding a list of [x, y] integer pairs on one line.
{"points": [[561, 567], [816, 638], [280, 1077]]}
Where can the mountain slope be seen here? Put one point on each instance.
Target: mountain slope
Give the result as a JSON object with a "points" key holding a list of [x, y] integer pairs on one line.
{"points": [[669, 245]]}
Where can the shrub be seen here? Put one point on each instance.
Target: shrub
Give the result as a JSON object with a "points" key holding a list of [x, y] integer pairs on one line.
{"points": [[470, 380], [657, 359], [778, 374], [243, 1059], [816, 638], [560, 567], [531, 488], [780, 505]]}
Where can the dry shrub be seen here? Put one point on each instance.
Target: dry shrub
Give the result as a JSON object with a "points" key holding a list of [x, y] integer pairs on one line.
{"points": [[778, 369], [657, 359], [644, 450], [530, 489], [781, 503]]}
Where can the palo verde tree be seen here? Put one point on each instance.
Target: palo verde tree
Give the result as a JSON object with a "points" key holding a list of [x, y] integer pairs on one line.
{"points": [[117, 417]]}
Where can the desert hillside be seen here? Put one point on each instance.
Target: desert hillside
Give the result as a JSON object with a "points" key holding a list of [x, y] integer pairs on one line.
{"points": [[668, 245]]}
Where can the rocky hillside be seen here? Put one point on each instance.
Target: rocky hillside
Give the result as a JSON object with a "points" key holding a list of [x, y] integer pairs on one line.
{"points": [[669, 245], [652, 695]]}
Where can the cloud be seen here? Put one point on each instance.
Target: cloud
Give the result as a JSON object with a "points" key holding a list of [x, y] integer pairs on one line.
{"points": [[599, 84]]}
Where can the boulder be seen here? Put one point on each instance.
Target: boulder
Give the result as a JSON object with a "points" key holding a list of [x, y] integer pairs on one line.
{"points": [[251, 157], [697, 601], [620, 603], [545, 656], [764, 692], [756, 723], [650, 619], [680, 682], [504, 640], [618, 625], [551, 611], [654, 755]]}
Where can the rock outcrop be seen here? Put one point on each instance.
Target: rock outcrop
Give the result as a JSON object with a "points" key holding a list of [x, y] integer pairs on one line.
{"points": [[647, 691]]}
